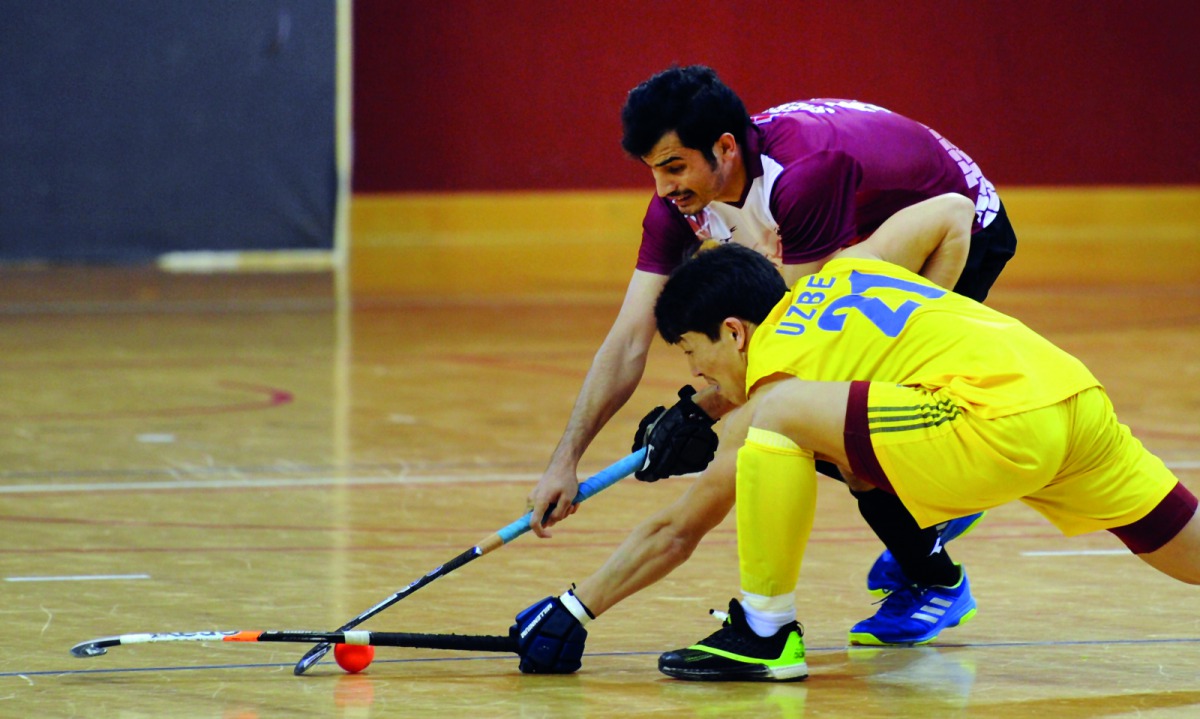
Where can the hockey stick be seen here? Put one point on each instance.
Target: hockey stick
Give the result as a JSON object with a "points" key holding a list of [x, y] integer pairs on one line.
{"points": [[603, 479], [466, 642]]}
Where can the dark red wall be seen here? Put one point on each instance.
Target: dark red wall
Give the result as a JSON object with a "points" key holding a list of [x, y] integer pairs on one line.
{"points": [[526, 94]]}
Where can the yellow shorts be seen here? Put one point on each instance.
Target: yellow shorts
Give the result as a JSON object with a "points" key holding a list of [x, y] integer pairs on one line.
{"points": [[1072, 461]]}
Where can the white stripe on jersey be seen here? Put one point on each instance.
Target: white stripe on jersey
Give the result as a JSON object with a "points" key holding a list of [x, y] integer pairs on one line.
{"points": [[752, 224]]}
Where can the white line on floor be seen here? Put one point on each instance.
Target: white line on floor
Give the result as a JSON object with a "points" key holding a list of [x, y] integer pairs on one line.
{"points": [[247, 483], [1075, 553], [273, 482], [78, 578]]}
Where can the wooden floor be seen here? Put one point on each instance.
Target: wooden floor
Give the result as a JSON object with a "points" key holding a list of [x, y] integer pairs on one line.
{"points": [[185, 454]]}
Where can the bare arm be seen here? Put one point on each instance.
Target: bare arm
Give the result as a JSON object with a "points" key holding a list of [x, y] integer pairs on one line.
{"points": [[614, 375], [666, 540], [931, 238], [713, 404]]}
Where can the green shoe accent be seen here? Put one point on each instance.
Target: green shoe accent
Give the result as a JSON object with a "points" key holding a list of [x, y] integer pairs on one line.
{"points": [[736, 653], [916, 615]]}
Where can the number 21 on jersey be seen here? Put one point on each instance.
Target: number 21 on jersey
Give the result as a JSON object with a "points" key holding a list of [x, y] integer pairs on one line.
{"points": [[830, 316]]}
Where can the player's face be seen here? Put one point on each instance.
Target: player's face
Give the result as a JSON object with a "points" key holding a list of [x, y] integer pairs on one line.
{"points": [[686, 177], [721, 362]]}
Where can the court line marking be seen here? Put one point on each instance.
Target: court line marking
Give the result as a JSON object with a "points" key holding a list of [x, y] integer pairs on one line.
{"points": [[274, 397], [164, 307], [510, 657], [77, 578], [272, 483], [283, 482], [1075, 552]]}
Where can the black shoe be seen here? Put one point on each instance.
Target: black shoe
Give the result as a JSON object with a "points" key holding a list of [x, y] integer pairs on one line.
{"points": [[735, 653]]}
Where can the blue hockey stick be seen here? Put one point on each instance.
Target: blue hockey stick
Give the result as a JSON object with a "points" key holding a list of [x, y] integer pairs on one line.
{"points": [[603, 479]]}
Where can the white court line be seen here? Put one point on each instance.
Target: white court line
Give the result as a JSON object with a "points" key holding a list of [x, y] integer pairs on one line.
{"points": [[1075, 553], [77, 578], [275, 482], [245, 483]]}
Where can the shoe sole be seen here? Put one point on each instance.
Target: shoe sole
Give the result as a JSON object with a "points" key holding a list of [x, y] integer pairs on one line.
{"points": [[862, 639], [755, 673], [882, 592]]}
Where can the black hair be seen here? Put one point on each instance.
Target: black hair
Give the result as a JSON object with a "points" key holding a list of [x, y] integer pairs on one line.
{"points": [[726, 281], [692, 101]]}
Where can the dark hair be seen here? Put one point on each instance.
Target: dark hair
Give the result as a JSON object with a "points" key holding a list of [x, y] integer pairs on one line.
{"points": [[692, 101], [727, 281]]}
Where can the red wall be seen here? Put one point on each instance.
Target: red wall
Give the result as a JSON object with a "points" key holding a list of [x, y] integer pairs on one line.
{"points": [[526, 94]]}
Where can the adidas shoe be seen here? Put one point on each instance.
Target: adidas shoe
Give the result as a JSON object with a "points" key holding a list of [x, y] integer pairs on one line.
{"points": [[886, 576], [916, 615], [736, 653]]}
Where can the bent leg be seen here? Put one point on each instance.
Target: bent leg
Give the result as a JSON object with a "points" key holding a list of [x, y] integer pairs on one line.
{"points": [[811, 414], [776, 492], [776, 498], [814, 415], [1180, 556]]}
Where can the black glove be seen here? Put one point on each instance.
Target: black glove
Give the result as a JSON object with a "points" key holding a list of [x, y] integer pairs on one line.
{"points": [[680, 439], [549, 638]]}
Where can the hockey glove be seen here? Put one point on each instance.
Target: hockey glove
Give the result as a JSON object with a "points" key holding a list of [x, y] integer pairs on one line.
{"points": [[680, 440], [550, 635]]}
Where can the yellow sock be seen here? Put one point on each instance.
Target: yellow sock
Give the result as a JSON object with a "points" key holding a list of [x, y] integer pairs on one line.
{"points": [[776, 500]]}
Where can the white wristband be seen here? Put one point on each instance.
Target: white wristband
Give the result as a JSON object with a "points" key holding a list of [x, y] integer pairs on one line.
{"points": [[575, 607]]}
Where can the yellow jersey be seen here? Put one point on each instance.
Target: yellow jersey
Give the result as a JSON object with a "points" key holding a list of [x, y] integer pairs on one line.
{"points": [[861, 319]]}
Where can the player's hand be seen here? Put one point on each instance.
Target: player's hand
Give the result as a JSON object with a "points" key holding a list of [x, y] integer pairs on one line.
{"points": [[549, 637], [555, 492], [680, 440]]}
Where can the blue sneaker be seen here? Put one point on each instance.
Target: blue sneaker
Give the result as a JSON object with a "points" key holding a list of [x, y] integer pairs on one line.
{"points": [[886, 576], [916, 615]]}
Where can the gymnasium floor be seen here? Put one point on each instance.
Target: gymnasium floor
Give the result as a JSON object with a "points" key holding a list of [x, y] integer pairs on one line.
{"points": [[232, 452]]}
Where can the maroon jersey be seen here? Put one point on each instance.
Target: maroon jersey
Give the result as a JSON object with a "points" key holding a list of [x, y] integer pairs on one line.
{"points": [[820, 174]]}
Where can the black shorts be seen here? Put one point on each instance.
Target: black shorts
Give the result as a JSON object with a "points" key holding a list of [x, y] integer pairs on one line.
{"points": [[991, 248]]}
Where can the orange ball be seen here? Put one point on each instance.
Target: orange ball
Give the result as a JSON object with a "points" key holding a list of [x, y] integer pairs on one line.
{"points": [[353, 657]]}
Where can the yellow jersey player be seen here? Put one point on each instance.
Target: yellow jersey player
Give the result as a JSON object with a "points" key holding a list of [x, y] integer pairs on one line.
{"points": [[952, 406]]}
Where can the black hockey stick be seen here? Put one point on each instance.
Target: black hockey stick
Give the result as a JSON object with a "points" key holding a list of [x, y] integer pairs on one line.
{"points": [[466, 642], [601, 480]]}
